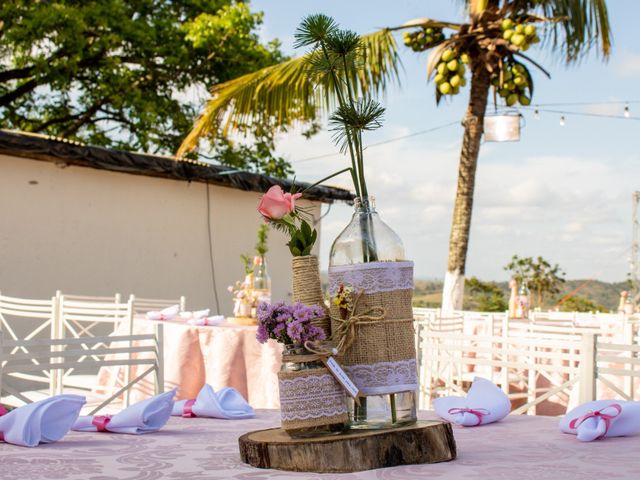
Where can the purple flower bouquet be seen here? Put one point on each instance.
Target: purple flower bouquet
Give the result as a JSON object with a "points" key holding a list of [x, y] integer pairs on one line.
{"points": [[289, 324]]}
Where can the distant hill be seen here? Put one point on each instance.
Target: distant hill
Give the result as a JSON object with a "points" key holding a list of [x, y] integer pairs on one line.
{"points": [[428, 292]]}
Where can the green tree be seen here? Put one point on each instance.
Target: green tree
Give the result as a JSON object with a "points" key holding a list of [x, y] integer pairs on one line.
{"points": [[485, 296], [281, 95], [581, 304], [543, 279], [120, 73]]}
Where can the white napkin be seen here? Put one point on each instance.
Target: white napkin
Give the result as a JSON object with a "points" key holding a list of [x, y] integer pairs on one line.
{"points": [[210, 321], [45, 421], [227, 404], [195, 315], [484, 403], [147, 416], [168, 313], [602, 418]]}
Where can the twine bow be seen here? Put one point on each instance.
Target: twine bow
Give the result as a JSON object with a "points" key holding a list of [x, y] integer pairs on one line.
{"points": [[101, 422], [606, 418], [346, 331], [478, 412]]}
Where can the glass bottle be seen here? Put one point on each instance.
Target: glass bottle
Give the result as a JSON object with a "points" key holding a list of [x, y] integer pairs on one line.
{"points": [[296, 361], [368, 239], [261, 281], [524, 301]]}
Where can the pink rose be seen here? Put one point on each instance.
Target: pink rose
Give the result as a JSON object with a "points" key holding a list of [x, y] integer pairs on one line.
{"points": [[275, 204]]}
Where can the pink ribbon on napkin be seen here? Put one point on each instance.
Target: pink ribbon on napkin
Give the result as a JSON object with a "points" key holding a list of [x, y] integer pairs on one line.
{"points": [[478, 412], [3, 411], [606, 418], [100, 422], [187, 411]]}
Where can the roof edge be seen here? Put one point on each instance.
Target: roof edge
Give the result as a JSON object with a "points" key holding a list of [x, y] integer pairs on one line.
{"points": [[59, 150]]}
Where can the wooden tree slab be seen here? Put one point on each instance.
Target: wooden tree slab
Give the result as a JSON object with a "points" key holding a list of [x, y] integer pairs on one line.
{"points": [[353, 451]]}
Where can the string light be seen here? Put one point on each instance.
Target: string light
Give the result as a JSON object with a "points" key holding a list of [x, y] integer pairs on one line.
{"points": [[562, 122], [627, 113], [536, 114]]}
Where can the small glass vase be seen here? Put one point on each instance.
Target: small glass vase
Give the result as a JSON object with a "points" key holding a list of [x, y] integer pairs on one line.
{"points": [[312, 402], [368, 239], [524, 301]]}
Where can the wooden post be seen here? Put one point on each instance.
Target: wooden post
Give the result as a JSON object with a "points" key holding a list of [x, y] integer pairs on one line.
{"points": [[588, 368]]}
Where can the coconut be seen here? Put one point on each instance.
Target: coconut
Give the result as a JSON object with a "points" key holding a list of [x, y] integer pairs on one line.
{"points": [[506, 24], [445, 88], [517, 39], [448, 55]]}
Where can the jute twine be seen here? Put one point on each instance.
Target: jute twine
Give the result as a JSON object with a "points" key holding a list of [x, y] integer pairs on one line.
{"points": [[379, 329], [307, 288]]}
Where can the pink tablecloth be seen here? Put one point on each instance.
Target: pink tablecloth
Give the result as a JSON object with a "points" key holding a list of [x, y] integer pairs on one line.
{"points": [[222, 356], [518, 448]]}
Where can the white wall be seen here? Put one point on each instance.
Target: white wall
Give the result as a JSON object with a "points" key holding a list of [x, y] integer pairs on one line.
{"points": [[93, 232]]}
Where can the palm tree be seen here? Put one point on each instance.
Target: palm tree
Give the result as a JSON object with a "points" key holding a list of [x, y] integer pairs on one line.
{"points": [[492, 43]]}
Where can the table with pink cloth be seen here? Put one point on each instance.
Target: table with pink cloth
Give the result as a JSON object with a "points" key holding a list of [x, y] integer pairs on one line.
{"points": [[226, 355], [519, 447]]}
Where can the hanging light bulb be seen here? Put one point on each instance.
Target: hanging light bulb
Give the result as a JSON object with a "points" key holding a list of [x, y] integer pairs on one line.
{"points": [[562, 122], [627, 113], [536, 114]]}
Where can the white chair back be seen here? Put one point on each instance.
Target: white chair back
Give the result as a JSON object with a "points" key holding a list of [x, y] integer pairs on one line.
{"points": [[61, 355], [144, 305], [27, 319]]}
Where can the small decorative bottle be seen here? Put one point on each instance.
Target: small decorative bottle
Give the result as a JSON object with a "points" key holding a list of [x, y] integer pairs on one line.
{"points": [[513, 298], [524, 301], [261, 281]]}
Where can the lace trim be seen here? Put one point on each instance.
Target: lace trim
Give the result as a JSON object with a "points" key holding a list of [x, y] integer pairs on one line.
{"points": [[372, 277], [314, 396], [385, 377]]}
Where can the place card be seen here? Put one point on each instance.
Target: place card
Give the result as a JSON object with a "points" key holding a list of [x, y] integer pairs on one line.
{"points": [[342, 377]]}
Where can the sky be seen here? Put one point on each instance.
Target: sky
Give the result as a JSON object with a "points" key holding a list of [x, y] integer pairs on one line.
{"points": [[561, 192]]}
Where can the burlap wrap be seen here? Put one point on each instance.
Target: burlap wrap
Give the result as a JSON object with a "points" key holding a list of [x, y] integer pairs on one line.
{"points": [[311, 398], [307, 288], [382, 356]]}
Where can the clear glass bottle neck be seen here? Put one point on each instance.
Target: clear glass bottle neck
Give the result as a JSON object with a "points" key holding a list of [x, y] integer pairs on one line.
{"points": [[365, 204]]}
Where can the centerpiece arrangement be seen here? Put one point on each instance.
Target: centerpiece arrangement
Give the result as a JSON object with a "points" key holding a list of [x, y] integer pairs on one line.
{"points": [[355, 367], [256, 286], [371, 283]]}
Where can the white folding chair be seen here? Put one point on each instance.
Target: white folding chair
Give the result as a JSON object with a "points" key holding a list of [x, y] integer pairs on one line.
{"points": [[139, 351], [28, 319], [83, 319], [144, 305]]}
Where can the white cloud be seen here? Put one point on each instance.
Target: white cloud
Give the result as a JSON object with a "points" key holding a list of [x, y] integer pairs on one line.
{"points": [[573, 210], [628, 65]]}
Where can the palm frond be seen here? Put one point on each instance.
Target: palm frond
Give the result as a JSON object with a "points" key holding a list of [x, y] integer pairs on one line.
{"points": [[283, 95], [427, 22], [343, 42], [363, 115], [314, 29]]}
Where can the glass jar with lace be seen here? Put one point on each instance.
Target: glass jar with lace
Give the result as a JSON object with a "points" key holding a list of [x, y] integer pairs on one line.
{"points": [[371, 288], [312, 402]]}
